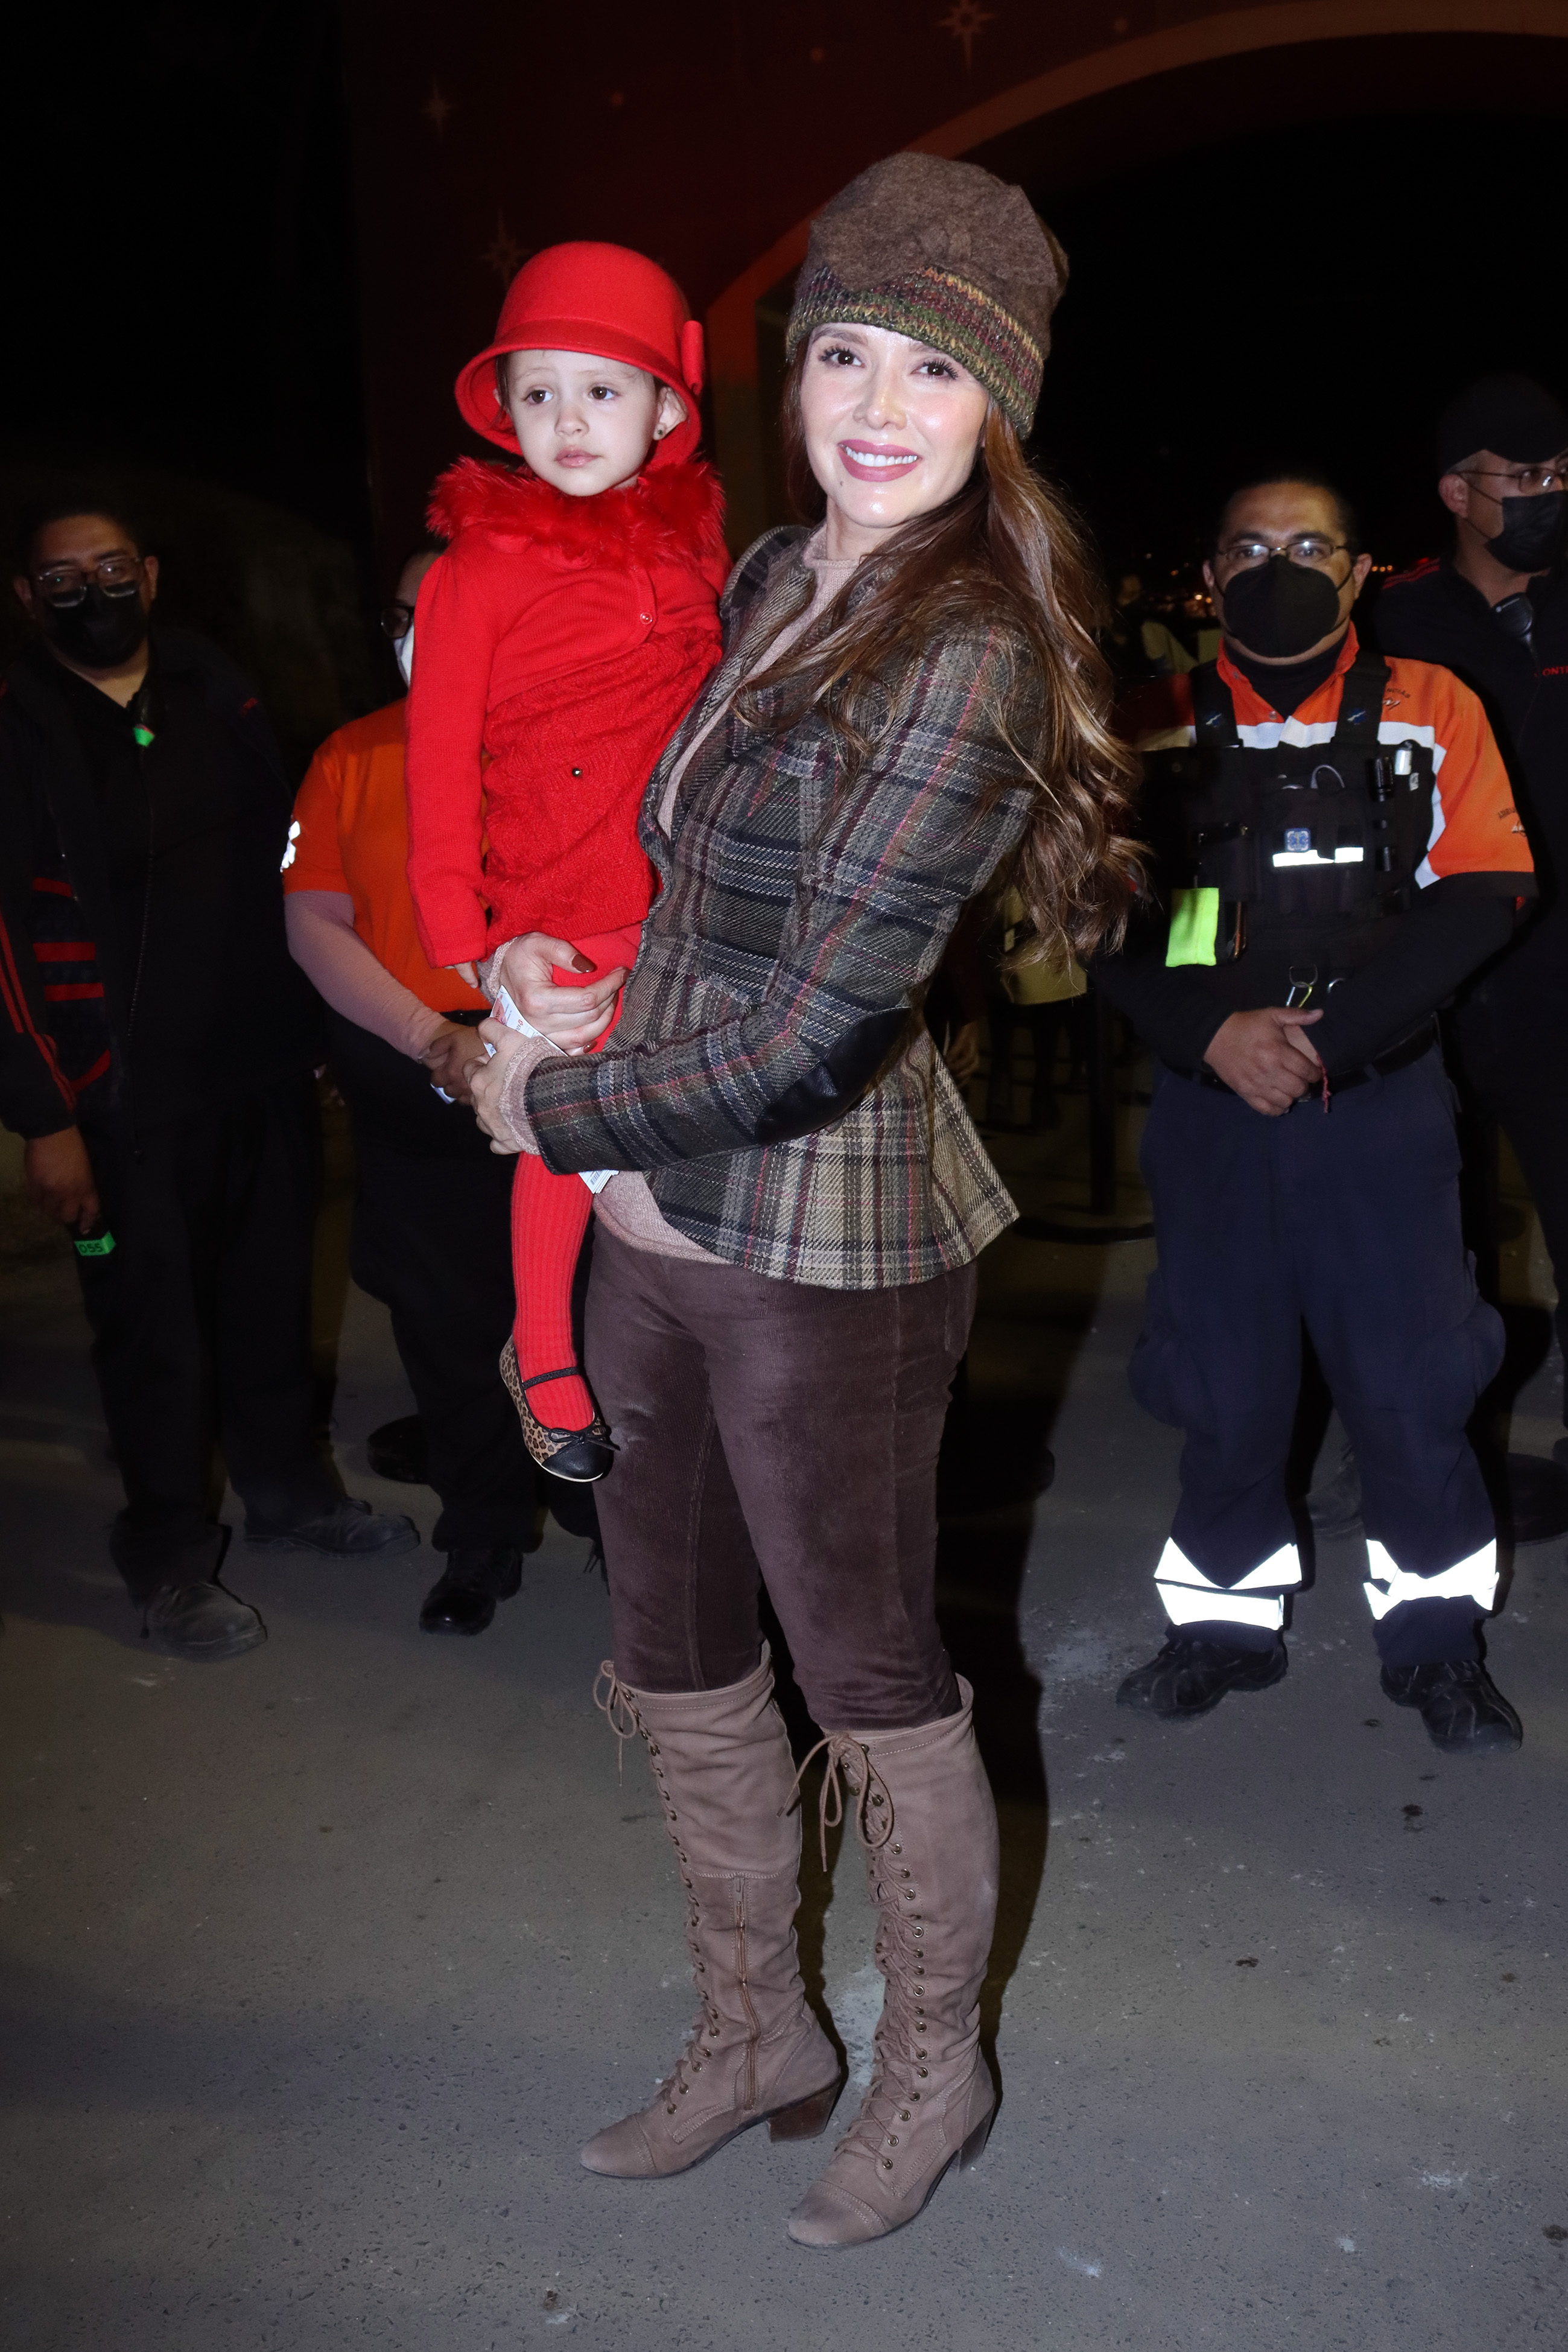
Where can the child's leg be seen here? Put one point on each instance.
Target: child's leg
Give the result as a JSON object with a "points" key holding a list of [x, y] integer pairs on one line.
{"points": [[549, 1216]]}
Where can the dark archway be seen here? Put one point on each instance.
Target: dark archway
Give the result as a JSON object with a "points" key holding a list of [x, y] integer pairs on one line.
{"points": [[1419, 80]]}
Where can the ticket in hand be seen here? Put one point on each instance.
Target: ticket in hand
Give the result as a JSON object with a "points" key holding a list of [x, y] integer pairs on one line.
{"points": [[504, 1010]]}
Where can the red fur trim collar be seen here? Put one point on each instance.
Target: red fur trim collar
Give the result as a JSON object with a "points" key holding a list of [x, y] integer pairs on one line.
{"points": [[677, 511]]}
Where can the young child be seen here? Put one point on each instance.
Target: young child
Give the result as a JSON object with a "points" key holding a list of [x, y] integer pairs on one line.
{"points": [[560, 639]]}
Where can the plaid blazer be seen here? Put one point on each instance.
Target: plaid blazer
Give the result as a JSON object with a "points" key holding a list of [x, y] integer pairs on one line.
{"points": [[770, 1071]]}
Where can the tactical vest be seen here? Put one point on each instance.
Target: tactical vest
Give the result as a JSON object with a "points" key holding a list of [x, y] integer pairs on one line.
{"points": [[1284, 869]]}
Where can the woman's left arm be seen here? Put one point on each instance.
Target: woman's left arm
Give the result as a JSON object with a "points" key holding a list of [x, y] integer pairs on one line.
{"points": [[920, 829]]}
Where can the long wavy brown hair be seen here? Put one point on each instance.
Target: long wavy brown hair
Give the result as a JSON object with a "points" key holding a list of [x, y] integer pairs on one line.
{"points": [[1007, 552]]}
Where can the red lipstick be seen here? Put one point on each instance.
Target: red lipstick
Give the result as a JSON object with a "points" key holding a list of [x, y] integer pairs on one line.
{"points": [[877, 461]]}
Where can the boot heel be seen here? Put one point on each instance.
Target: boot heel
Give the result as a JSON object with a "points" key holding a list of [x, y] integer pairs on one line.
{"points": [[808, 2119], [974, 2148]]}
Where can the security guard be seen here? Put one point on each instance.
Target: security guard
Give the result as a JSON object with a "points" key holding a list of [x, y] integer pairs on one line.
{"points": [[1337, 849], [1495, 610], [156, 1046]]}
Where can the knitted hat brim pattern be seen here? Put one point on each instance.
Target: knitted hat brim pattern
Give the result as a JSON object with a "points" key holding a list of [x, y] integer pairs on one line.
{"points": [[934, 307]]}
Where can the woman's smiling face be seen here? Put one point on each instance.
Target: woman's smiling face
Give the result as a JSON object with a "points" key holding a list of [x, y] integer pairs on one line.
{"points": [[893, 427]]}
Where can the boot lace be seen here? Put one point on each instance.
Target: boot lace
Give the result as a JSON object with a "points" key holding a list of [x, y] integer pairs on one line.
{"points": [[900, 2071], [619, 1708], [871, 1803]]}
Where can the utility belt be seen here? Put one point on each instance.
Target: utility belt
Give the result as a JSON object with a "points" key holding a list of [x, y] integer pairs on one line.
{"points": [[1410, 1049]]}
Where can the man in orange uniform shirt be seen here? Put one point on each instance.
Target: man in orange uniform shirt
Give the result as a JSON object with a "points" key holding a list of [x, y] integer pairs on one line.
{"points": [[430, 1234]]}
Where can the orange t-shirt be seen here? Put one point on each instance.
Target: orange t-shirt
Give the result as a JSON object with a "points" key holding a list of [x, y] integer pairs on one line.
{"points": [[351, 836]]}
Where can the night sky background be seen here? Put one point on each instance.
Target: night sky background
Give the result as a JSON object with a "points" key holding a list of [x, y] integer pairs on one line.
{"points": [[182, 295], [180, 267]]}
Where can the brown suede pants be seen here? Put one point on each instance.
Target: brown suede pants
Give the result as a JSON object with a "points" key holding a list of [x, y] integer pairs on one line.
{"points": [[778, 1434]]}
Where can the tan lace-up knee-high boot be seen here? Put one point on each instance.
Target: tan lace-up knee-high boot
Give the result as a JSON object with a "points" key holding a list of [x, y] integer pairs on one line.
{"points": [[927, 1817], [722, 1766]]}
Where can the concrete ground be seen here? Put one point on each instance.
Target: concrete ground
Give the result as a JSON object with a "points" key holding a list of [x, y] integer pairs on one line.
{"points": [[321, 1963]]}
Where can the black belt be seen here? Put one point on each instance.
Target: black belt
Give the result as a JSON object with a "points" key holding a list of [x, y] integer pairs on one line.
{"points": [[1398, 1057]]}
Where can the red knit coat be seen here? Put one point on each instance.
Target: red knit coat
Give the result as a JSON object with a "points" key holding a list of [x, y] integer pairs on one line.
{"points": [[566, 638]]}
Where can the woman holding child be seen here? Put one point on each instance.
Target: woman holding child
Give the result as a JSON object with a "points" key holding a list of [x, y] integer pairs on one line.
{"points": [[908, 709]]}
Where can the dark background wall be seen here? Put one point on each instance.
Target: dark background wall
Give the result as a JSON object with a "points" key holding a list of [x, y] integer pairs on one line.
{"points": [[181, 323], [1305, 295], [252, 243]]}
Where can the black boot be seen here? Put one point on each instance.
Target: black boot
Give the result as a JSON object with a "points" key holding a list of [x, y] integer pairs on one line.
{"points": [[474, 1579], [200, 1621], [1463, 1709], [349, 1530], [1189, 1677]]}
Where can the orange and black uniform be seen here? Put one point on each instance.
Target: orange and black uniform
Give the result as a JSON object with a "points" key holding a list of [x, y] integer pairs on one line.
{"points": [[432, 1229], [1355, 849], [147, 996]]}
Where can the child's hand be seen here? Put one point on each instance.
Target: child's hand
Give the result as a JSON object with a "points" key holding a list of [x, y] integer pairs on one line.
{"points": [[466, 972], [570, 1018]]}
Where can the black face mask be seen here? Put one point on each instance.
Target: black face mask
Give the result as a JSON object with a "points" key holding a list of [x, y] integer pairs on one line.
{"points": [[1280, 608], [1534, 533], [100, 631]]}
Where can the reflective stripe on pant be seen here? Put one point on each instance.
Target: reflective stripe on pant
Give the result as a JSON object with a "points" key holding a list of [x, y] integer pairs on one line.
{"points": [[1347, 1223], [1257, 1603]]}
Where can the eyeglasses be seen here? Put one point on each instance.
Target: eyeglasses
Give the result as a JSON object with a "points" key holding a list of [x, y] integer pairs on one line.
{"points": [[1308, 547], [66, 583], [1528, 481], [397, 620]]}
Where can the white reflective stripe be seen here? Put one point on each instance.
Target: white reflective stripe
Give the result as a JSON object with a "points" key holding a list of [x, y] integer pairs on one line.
{"points": [[1468, 1579], [1315, 857], [1279, 1572], [1265, 734], [1186, 1605]]}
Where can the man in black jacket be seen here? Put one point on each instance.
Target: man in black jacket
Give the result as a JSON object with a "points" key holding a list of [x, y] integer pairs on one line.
{"points": [[1495, 610], [156, 1049]]}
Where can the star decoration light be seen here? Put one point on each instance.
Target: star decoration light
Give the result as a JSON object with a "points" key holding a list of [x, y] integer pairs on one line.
{"points": [[504, 254], [436, 108], [964, 20]]}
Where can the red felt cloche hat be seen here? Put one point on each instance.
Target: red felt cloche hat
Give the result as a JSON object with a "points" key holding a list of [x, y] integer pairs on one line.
{"points": [[601, 299]]}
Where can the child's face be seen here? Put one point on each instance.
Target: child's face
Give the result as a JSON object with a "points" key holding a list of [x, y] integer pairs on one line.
{"points": [[587, 424]]}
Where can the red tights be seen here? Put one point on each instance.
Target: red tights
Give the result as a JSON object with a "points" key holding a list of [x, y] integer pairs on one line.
{"points": [[549, 1215]]}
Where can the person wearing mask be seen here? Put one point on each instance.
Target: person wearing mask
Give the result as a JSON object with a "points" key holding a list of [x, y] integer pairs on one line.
{"points": [[432, 1227], [1494, 610], [909, 698], [156, 1051], [1337, 851]]}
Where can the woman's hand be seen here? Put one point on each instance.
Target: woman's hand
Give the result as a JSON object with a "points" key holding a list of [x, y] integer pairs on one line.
{"points": [[570, 1018], [451, 1057], [498, 1086]]}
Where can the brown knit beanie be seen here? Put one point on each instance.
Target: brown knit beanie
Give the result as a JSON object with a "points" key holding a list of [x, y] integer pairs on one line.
{"points": [[944, 252]]}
